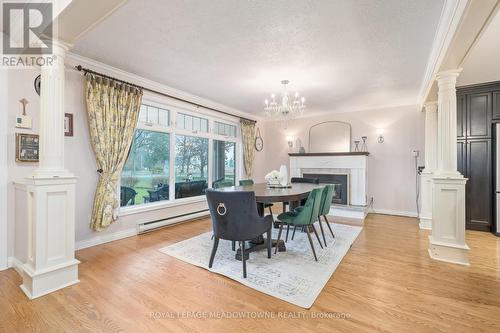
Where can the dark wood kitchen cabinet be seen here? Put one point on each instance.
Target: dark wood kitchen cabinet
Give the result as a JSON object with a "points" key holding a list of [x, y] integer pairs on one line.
{"points": [[461, 154], [478, 113], [479, 188], [477, 107], [496, 104]]}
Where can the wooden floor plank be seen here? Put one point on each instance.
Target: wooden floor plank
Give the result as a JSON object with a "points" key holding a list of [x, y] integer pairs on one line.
{"points": [[386, 283]]}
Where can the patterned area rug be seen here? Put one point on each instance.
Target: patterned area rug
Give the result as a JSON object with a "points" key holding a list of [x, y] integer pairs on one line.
{"points": [[292, 276]]}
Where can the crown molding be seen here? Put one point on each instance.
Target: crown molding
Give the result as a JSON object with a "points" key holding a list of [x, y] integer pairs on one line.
{"points": [[333, 112], [450, 19], [73, 60]]}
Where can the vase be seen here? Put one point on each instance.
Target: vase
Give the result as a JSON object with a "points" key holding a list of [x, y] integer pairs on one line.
{"points": [[284, 175]]}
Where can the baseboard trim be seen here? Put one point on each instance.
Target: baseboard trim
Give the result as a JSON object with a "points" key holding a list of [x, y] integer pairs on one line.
{"points": [[10, 263], [13, 262], [106, 238], [394, 212]]}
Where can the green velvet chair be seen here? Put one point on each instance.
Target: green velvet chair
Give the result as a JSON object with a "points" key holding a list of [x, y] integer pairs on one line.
{"points": [[324, 210], [248, 182], [304, 217]]}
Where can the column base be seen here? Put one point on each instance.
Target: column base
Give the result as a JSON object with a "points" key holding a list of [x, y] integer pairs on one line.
{"points": [[42, 282], [50, 262], [425, 223], [449, 252], [447, 242]]}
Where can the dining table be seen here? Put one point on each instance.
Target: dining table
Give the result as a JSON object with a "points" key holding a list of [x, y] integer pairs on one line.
{"points": [[292, 194]]}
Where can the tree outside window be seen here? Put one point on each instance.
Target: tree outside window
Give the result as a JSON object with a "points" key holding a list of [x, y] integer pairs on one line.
{"points": [[145, 176], [224, 165]]}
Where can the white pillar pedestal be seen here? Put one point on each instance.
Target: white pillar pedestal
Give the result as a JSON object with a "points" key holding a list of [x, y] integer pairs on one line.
{"points": [[431, 120], [51, 263], [425, 216], [447, 242]]}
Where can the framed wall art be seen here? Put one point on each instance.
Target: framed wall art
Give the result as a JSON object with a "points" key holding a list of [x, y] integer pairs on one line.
{"points": [[68, 124], [27, 147]]}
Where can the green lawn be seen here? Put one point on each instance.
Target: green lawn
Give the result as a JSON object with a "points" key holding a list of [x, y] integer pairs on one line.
{"points": [[145, 183]]}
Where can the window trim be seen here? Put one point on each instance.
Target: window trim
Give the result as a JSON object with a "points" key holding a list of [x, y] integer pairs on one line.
{"points": [[172, 130]]}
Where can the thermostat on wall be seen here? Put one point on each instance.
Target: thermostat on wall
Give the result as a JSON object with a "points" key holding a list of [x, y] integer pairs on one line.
{"points": [[24, 122]]}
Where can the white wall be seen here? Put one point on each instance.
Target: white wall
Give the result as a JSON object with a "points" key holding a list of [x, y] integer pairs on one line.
{"points": [[391, 172]]}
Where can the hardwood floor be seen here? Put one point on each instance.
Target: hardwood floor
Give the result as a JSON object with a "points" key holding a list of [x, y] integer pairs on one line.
{"points": [[385, 283]]}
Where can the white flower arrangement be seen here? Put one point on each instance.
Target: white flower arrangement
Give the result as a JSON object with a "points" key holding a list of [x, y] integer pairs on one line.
{"points": [[273, 178]]}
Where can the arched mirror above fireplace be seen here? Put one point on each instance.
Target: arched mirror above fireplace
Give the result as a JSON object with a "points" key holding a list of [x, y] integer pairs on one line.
{"points": [[330, 137]]}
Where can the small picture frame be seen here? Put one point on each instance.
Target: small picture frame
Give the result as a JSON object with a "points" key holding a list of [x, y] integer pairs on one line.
{"points": [[27, 147], [68, 124]]}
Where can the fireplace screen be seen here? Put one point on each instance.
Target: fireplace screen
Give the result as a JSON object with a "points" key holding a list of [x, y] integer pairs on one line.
{"points": [[340, 185]]}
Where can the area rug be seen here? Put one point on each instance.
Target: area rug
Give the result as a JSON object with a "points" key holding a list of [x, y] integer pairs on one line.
{"points": [[292, 276]]}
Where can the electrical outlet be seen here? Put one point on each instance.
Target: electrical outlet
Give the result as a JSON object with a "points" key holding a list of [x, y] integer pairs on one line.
{"points": [[415, 153]]}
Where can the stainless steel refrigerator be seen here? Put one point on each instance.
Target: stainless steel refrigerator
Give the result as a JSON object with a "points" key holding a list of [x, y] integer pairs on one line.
{"points": [[497, 179]]}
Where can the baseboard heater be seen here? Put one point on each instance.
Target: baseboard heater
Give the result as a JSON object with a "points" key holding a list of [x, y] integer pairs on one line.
{"points": [[150, 226]]}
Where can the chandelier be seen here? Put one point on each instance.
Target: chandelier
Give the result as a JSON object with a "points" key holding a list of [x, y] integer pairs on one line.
{"points": [[286, 108]]}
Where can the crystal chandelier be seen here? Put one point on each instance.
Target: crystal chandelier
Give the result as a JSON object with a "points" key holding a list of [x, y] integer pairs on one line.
{"points": [[286, 108]]}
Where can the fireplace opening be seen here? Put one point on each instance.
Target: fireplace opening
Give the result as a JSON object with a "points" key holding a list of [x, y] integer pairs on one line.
{"points": [[340, 184]]}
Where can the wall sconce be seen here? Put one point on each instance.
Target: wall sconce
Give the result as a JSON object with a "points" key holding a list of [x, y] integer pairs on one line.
{"points": [[380, 134], [289, 140]]}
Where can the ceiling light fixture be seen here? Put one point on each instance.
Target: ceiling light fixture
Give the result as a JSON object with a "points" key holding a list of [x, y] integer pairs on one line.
{"points": [[286, 108]]}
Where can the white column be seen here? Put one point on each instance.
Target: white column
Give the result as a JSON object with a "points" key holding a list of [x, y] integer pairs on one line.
{"points": [[431, 133], [447, 241], [447, 124], [431, 112], [52, 115], [51, 263]]}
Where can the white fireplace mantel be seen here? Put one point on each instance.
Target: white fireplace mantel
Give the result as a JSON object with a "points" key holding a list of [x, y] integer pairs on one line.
{"points": [[354, 164]]}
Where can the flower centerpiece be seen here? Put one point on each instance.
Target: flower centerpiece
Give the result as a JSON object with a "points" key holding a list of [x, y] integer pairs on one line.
{"points": [[273, 178]]}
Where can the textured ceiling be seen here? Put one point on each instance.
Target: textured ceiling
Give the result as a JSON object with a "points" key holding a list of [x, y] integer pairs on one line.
{"points": [[343, 55], [482, 63]]}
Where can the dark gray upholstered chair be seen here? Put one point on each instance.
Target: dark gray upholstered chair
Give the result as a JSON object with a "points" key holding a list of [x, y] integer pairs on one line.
{"points": [[235, 218]]}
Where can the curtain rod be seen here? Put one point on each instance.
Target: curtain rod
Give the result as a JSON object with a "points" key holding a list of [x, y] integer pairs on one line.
{"points": [[86, 70]]}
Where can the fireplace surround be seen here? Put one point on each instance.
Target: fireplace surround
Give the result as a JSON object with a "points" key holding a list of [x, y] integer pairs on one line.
{"points": [[352, 166]]}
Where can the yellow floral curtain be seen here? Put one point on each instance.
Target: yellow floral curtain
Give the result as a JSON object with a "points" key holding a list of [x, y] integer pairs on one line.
{"points": [[248, 136], [113, 110]]}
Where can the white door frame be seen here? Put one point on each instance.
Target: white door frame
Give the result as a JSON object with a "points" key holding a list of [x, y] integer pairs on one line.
{"points": [[4, 117]]}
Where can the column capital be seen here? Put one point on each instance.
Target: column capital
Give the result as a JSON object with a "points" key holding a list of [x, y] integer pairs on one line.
{"points": [[449, 73], [59, 48], [431, 106], [448, 79]]}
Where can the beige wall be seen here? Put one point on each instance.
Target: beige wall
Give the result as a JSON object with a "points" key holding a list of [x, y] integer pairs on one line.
{"points": [[391, 172]]}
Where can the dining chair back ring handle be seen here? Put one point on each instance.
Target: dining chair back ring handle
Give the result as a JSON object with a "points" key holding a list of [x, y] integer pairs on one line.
{"points": [[221, 209]]}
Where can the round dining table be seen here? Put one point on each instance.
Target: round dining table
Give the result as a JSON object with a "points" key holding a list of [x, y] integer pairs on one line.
{"points": [[265, 194]]}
